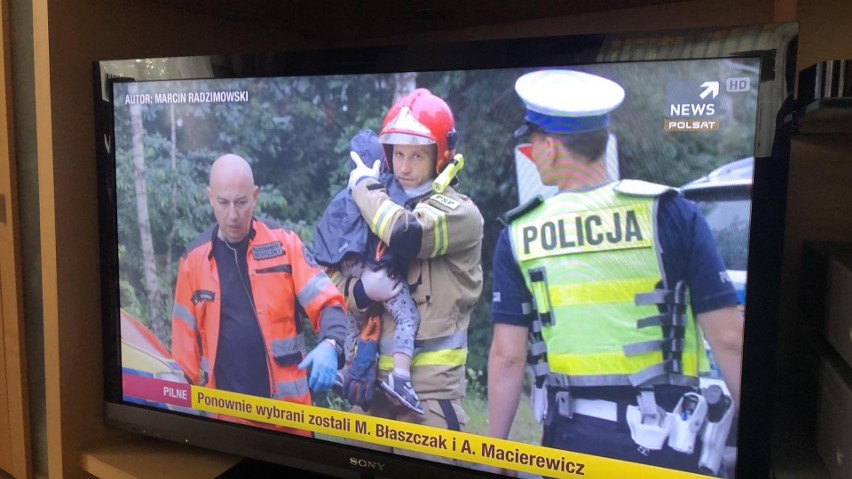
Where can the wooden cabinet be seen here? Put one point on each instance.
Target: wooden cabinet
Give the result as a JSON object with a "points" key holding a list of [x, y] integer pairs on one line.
{"points": [[14, 410]]}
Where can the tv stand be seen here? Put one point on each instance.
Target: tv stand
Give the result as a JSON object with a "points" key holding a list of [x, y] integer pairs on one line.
{"points": [[141, 457], [252, 468]]}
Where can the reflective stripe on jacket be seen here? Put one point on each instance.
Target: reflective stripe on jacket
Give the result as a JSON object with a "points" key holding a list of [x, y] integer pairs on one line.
{"points": [[444, 275], [586, 258]]}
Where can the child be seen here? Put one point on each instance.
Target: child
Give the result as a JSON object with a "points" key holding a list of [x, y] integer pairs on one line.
{"points": [[344, 242]]}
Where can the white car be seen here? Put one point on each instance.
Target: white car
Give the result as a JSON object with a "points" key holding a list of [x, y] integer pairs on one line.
{"points": [[724, 198]]}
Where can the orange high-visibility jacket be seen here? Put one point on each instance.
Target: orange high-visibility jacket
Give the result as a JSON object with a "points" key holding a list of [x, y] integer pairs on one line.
{"points": [[281, 272]]}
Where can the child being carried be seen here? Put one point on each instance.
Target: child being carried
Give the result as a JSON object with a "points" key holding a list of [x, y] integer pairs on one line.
{"points": [[344, 242]]}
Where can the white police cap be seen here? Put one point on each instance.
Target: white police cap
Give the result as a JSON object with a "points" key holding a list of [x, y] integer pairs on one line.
{"points": [[566, 101]]}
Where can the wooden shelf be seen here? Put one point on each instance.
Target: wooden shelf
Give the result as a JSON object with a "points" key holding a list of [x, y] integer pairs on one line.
{"points": [[143, 458]]}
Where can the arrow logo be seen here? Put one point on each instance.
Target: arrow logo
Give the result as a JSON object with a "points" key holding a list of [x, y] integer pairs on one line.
{"points": [[107, 143], [710, 87]]}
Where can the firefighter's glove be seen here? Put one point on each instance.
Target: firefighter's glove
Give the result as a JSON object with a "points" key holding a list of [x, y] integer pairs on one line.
{"points": [[359, 386], [361, 170], [323, 363], [378, 285], [366, 144]]}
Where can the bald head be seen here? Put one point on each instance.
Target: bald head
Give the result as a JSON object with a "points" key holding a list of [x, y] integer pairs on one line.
{"points": [[233, 196], [229, 166]]}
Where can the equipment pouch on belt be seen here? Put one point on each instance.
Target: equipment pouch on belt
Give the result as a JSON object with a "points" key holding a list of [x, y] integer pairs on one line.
{"points": [[720, 416], [709, 414], [538, 402], [649, 424], [687, 418]]}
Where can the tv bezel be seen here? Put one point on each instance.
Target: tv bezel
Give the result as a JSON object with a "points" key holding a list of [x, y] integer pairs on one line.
{"points": [[772, 145]]}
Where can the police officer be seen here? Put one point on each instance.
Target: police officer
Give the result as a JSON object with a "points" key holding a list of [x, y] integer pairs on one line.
{"points": [[234, 323], [441, 235], [602, 280]]}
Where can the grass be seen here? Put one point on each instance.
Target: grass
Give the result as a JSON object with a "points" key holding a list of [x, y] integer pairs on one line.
{"points": [[525, 428]]}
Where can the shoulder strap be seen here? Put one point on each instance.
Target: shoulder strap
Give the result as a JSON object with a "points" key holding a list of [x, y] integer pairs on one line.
{"points": [[519, 211]]}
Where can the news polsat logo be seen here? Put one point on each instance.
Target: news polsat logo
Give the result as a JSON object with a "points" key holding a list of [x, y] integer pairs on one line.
{"points": [[692, 106]]}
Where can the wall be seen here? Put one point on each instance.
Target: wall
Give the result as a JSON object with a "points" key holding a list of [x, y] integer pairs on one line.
{"points": [[824, 31], [673, 16]]}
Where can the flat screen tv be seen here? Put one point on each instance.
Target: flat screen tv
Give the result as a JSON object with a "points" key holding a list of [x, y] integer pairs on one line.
{"points": [[570, 307]]}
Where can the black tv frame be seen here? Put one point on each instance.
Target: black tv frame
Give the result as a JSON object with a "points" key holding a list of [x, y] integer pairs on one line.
{"points": [[775, 45]]}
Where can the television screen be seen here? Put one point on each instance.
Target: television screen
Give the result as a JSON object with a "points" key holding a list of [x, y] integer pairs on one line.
{"points": [[529, 268]]}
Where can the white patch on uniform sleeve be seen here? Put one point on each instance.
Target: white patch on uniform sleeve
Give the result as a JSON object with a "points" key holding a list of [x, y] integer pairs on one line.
{"points": [[445, 201]]}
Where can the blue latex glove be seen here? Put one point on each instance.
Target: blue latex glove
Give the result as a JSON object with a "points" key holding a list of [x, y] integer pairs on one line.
{"points": [[323, 363]]}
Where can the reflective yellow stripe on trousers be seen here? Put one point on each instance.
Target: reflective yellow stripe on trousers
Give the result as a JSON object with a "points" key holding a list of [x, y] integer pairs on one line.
{"points": [[448, 357]]}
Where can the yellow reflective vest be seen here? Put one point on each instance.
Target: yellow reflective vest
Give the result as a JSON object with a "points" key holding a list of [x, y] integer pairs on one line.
{"points": [[591, 261]]}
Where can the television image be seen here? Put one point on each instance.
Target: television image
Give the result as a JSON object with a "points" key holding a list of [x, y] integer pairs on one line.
{"points": [[252, 264]]}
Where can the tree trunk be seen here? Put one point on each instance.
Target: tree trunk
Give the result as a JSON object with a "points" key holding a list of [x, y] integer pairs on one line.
{"points": [[174, 213], [149, 267]]}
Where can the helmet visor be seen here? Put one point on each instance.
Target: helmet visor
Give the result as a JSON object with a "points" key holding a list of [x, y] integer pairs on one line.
{"points": [[401, 138], [404, 129]]}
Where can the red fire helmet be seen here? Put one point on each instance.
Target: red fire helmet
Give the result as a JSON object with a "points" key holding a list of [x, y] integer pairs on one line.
{"points": [[420, 118]]}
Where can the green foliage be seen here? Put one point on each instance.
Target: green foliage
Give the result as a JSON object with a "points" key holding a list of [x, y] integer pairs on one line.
{"points": [[295, 133], [332, 401]]}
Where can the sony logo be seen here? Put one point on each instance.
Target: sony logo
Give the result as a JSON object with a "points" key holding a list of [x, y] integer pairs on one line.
{"points": [[379, 466]]}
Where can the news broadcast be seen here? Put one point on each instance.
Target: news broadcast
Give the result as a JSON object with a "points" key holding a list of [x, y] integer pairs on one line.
{"points": [[530, 271]]}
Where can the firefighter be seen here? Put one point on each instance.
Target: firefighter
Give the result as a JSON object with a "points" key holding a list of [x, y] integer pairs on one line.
{"points": [[239, 285], [595, 284], [440, 235]]}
